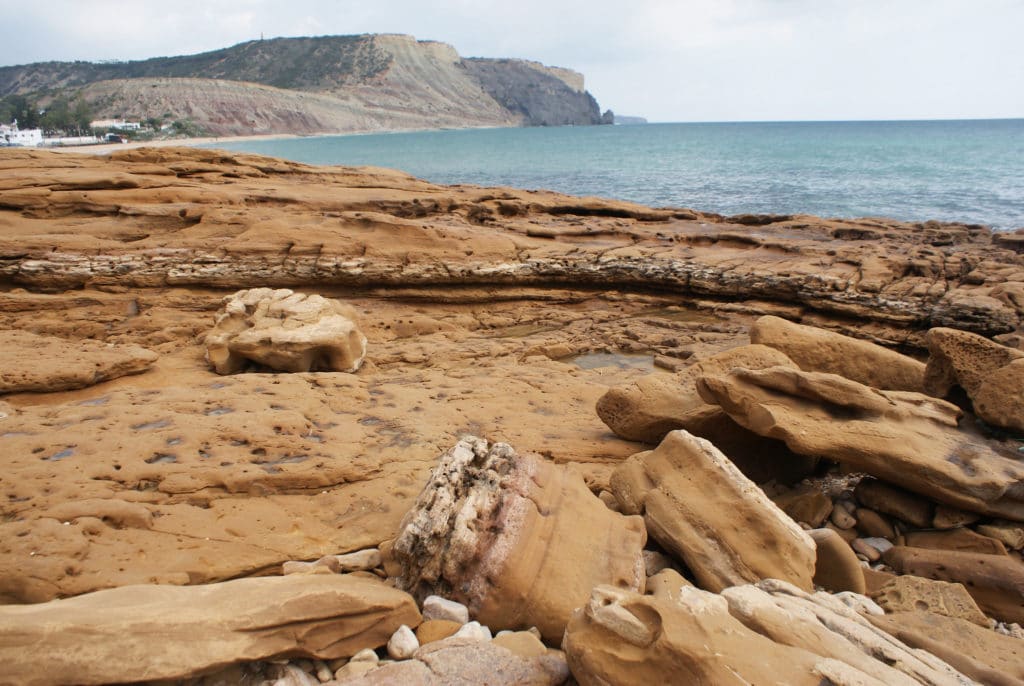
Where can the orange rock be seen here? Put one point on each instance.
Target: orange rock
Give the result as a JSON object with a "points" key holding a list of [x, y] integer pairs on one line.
{"points": [[959, 540], [910, 593], [896, 502], [837, 569], [435, 630]]}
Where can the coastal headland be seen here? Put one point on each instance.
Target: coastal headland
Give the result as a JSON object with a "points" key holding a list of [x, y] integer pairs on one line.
{"points": [[706, 389]]}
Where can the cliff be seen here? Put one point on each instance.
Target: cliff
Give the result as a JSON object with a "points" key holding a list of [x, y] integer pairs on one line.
{"points": [[330, 84]]}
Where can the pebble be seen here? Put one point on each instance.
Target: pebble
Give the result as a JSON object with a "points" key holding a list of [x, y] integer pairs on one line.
{"points": [[354, 669], [322, 671], [609, 500], [359, 561], [521, 643], [436, 630], [842, 518], [865, 549], [655, 562], [474, 631], [293, 676], [436, 607], [403, 643]]}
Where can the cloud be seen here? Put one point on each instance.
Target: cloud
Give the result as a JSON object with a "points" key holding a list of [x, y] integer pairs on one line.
{"points": [[669, 60]]}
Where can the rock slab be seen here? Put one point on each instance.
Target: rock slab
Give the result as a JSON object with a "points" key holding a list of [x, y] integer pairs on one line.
{"points": [[156, 632]]}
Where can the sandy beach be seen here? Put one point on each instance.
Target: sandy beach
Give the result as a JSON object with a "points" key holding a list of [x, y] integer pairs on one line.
{"points": [[106, 148]]}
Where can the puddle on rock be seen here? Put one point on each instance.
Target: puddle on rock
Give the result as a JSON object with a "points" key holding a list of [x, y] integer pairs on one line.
{"points": [[680, 314], [67, 452], [620, 360], [217, 411], [521, 330], [158, 424], [161, 458], [102, 400]]}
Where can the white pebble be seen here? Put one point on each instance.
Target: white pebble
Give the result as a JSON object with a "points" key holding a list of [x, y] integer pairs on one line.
{"points": [[436, 607], [878, 543], [365, 655], [293, 676], [323, 672], [403, 643], [360, 560], [474, 631]]}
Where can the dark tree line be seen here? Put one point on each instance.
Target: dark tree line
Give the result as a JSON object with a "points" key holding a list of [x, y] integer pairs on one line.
{"points": [[63, 115]]}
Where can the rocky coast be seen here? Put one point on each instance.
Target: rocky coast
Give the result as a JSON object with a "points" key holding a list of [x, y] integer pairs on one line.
{"points": [[265, 422]]}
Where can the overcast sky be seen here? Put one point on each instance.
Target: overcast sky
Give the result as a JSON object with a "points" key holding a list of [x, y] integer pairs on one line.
{"points": [[681, 60]]}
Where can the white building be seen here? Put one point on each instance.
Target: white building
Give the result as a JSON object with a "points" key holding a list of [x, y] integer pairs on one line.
{"points": [[119, 124], [12, 135]]}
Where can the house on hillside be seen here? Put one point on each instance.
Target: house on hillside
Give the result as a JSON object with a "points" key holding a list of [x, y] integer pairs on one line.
{"points": [[11, 135], [119, 124]]}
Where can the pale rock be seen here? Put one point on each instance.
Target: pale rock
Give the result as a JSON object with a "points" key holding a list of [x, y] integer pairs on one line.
{"points": [[403, 643], [521, 643], [819, 350], [322, 672], [474, 631], [354, 670], [436, 607], [861, 547], [519, 540], [859, 603], [285, 331], [702, 510], [654, 562], [358, 561], [294, 676], [910, 593], [1011, 534], [905, 438], [325, 565]]}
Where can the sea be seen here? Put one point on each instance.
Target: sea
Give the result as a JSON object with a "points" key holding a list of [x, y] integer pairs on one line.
{"points": [[969, 171]]}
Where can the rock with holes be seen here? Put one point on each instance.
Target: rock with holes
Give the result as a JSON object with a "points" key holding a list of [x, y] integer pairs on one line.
{"points": [[701, 509], [910, 593], [519, 541], [908, 439], [285, 331]]}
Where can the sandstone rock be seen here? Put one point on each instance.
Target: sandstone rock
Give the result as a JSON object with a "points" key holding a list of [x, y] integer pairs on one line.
{"points": [[285, 331], [462, 662], [818, 350], [436, 629], [896, 502], [842, 519], [951, 517], [870, 523], [978, 653], [990, 373], [667, 582], [916, 594], [402, 644], [137, 633], [996, 582], [740, 636], [1009, 533], [701, 509], [870, 552], [359, 561], [805, 504], [520, 541], [836, 568], [436, 607], [958, 540], [29, 362], [521, 643], [904, 438]]}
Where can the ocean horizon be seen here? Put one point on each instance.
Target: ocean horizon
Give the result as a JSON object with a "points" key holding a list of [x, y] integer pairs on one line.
{"points": [[957, 170]]}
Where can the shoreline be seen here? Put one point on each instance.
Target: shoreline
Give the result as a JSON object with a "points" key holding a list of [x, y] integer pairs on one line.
{"points": [[104, 148]]}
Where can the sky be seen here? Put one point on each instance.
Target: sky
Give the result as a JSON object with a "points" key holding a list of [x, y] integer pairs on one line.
{"points": [[682, 60]]}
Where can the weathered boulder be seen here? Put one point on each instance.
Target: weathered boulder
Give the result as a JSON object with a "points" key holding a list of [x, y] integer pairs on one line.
{"points": [[895, 502], [981, 654], [285, 331], [156, 632], [746, 635], [518, 540], [818, 350], [29, 362], [909, 593], [700, 508], [836, 566], [996, 582], [466, 662], [907, 439], [991, 374]]}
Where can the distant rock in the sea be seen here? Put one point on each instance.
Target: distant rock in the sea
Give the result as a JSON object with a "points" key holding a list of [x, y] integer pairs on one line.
{"points": [[626, 120]]}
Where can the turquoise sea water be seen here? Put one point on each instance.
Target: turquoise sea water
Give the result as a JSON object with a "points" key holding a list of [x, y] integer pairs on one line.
{"points": [[966, 171]]}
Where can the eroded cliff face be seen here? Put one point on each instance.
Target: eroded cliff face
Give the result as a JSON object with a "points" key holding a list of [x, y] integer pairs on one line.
{"points": [[332, 84]]}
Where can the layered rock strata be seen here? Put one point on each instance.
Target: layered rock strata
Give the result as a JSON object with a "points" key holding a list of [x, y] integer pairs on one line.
{"points": [[516, 539]]}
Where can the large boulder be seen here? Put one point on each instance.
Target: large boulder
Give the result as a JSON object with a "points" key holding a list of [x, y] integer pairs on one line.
{"points": [[519, 540], [161, 632], [908, 439], [699, 507], [818, 350], [771, 632], [285, 331], [29, 362], [991, 374]]}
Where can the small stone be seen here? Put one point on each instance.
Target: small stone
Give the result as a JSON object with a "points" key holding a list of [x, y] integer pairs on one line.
{"points": [[354, 669], [521, 643], [403, 643], [836, 567], [293, 676], [436, 607], [609, 499], [359, 561], [842, 519], [365, 655], [474, 631], [325, 565], [322, 671], [862, 547], [870, 523], [805, 505], [655, 562], [436, 630]]}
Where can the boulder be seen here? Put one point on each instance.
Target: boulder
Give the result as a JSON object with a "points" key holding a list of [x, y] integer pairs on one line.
{"points": [[160, 632], [465, 662], [519, 541], [962, 540], [991, 374], [284, 331], [45, 364], [805, 504], [749, 634], [700, 508], [895, 502], [818, 350], [996, 582], [907, 439], [837, 568], [910, 593], [979, 653]]}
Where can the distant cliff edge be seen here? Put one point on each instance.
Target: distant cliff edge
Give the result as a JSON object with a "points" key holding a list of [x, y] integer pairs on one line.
{"points": [[328, 84]]}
